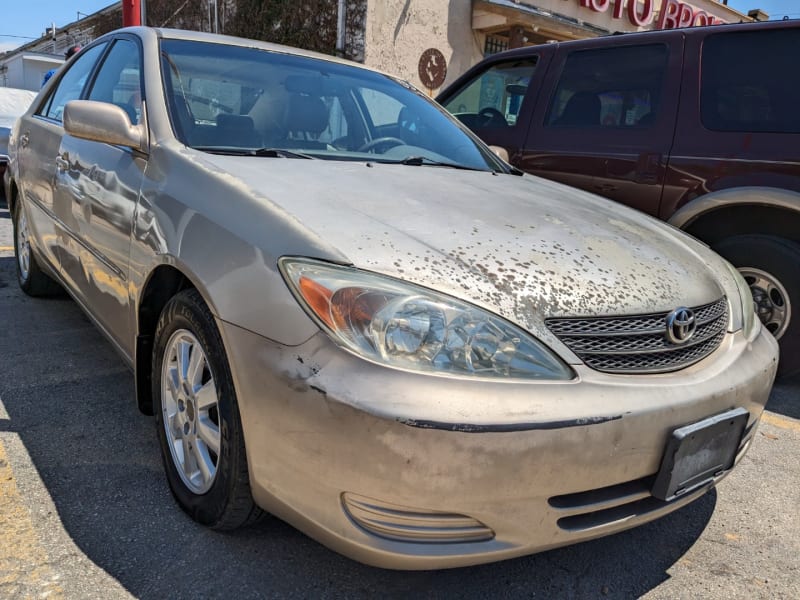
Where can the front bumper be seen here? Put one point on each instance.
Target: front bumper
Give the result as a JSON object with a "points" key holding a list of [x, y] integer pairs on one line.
{"points": [[409, 471]]}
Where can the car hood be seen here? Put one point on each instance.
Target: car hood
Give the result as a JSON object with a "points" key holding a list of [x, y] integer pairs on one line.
{"points": [[524, 247], [13, 103]]}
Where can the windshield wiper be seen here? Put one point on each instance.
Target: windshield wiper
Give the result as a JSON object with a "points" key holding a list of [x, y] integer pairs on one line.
{"points": [[279, 153], [267, 152], [418, 161]]}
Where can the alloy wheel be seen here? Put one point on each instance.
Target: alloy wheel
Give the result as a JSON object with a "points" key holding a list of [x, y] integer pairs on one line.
{"points": [[190, 411], [23, 246], [770, 298]]}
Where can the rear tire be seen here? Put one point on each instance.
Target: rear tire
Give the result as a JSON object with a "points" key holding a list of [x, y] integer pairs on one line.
{"points": [[771, 266], [32, 279], [197, 417]]}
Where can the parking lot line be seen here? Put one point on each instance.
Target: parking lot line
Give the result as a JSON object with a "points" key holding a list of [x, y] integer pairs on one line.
{"points": [[781, 422], [20, 544]]}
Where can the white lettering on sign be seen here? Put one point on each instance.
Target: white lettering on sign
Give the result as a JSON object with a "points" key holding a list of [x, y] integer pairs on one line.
{"points": [[640, 13]]}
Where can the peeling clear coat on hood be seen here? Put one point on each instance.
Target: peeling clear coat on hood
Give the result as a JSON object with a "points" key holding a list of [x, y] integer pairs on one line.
{"points": [[522, 247]]}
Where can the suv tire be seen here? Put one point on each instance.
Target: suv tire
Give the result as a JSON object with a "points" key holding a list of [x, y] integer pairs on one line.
{"points": [[771, 266]]}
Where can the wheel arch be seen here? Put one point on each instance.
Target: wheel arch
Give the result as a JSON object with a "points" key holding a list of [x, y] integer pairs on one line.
{"points": [[739, 211], [11, 195], [163, 282]]}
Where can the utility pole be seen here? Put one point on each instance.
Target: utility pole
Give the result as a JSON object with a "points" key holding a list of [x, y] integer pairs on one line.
{"points": [[131, 13], [340, 28], [213, 20]]}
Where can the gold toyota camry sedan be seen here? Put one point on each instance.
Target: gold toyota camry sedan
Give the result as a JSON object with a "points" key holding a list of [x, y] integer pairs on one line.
{"points": [[343, 309]]}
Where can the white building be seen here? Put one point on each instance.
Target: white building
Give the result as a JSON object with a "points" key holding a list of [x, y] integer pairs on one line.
{"points": [[26, 66], [26, 70]]}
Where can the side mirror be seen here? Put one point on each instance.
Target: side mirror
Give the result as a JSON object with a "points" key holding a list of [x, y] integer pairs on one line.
{"points": [[500, 151], [102, 122]]}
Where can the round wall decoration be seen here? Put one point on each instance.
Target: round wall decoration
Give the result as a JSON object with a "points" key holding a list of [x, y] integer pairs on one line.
{"points": [[432, 68]]}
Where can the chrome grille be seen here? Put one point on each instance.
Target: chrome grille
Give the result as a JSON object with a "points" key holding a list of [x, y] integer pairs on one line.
{"points": [[638, 344]]}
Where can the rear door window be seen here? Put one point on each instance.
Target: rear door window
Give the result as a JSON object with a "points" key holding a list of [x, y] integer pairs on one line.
{"points": [[749, 82], [610, 88]]}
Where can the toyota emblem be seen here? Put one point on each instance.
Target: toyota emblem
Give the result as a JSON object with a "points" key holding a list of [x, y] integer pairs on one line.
{"points": [[681, 325]]}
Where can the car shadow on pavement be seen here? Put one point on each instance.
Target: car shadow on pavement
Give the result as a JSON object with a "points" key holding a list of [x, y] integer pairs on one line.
{"points": [[71, 401], [785, 398]]}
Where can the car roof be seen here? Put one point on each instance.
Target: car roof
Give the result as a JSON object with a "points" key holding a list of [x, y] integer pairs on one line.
{"points": [[214, 38], [611, 39]]}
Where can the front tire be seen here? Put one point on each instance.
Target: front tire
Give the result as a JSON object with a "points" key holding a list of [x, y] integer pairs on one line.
{"points": [[771, 267], [197, 417], [30, 276]]}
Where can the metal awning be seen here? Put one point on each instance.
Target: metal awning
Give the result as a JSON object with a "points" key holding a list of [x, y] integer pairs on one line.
{"points": [[493, 16]]}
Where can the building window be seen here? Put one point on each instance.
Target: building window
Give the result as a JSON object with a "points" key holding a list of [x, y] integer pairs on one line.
{"points": [[494, 45]]}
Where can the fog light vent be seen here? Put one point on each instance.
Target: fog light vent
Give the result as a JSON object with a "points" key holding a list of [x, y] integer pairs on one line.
{"points": [[415, 525]]}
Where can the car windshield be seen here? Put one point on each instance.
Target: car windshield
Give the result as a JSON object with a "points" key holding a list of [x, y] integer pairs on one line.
{"points": [[239, 100]]}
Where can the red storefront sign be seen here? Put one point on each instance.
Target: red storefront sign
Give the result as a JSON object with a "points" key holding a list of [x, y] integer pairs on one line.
{"points": [[673, 13]]}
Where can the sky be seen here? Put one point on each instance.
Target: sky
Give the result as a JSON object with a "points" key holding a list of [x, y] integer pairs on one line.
{"points": [[28, 19], [776, 9]]}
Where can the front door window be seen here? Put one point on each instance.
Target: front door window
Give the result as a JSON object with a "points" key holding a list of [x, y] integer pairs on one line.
{"points": [[71, 84], [494, 98]]}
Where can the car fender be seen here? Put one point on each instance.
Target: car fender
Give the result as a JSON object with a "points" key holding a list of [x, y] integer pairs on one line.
{"points": [[185, 219], [740, 196]]}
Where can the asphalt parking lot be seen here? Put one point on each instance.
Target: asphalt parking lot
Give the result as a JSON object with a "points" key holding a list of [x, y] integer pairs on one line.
{"points": [[85, 511]]}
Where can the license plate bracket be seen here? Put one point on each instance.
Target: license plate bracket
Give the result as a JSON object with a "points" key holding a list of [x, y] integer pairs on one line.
{"points": [[699, 452]]}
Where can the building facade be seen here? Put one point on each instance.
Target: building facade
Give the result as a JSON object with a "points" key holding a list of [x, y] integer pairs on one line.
{"points": [[390, 35], [26, 70], [26, 66], [398, 32]]}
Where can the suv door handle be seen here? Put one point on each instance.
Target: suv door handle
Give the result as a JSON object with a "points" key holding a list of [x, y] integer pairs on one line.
{"points": [[24, 139], [648, 167]]}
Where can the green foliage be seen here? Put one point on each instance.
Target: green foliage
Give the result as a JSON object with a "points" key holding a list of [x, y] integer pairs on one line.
{"points": [[308, 24]]}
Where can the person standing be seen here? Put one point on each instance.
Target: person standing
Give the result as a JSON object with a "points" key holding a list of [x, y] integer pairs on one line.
{"points": [[72, 51]]}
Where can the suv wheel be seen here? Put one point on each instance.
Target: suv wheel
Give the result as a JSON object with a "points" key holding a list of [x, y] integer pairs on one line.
{"points": [[771, 267]]}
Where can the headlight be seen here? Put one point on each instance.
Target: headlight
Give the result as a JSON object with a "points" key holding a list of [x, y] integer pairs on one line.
{"points": [[751, 325], [403, 325]]}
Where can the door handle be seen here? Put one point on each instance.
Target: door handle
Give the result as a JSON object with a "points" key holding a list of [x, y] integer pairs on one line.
{"points": [[648, 167], [61, 164], [24, 139], [605, 188]]}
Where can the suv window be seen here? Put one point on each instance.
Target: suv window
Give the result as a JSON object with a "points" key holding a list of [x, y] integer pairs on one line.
{"points": [[118, 80], [610, 87], [748, 82], [495, 98], [71, 84]]}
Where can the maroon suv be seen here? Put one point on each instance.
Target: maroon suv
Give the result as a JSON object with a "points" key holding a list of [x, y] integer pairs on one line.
{"points": [[699, 127]]}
